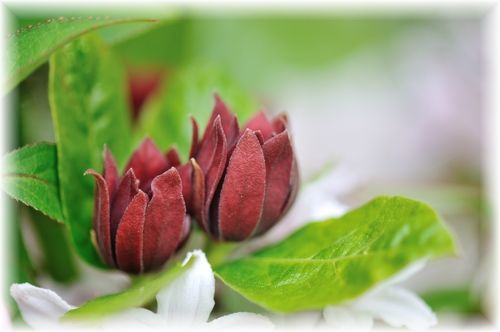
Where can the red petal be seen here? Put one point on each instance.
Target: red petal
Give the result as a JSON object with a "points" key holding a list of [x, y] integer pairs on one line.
{"points": [[261, 123], [228, 121], [259, 136], [242, 194], [207, 147], [185, 172], [164, 226], [147, 163], [101, 217], [129, 239], [110, 171], [127, 190], [294, 188], [142, 86], [173, 158], [185, 231], [194, 139], [198, 194], [280, 123], [214, 174], [279, 156]]}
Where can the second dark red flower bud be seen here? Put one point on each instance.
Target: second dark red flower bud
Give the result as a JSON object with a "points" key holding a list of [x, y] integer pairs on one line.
{"points": [[241, 181], [140, 217]]}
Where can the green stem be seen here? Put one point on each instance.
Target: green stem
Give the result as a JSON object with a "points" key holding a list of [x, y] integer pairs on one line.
{"points": [[58, 255]]}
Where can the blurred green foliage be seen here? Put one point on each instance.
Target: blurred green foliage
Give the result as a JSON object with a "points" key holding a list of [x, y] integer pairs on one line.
{"points": [[453, 300], [259, 50]]}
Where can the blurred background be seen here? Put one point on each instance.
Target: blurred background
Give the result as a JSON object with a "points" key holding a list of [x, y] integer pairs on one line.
{"points": [[390, 104]]}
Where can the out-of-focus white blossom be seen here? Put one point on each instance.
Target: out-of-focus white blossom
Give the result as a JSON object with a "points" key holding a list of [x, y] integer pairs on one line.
{"points": [[184, 303]]}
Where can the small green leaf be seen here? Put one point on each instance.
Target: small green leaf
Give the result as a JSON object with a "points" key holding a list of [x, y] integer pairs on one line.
{"points": [[139, 294], [328, 262], [30, 176], [190, 91], [31, 45], [87, 93]]}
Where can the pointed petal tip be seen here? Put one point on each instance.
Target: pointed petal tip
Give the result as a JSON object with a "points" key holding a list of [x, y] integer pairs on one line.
{"points": [[93, 172], [172, 171], [217, 98], [107, 152], [173, 157], [130, 172]]}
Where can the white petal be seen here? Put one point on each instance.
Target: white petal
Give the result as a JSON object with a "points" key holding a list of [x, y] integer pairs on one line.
{"points": [[93, 283], [134, 319], [402, 275], [242, 321], [5, 324], [299, 320], [189, 299], [407, 272], [346, 318], [40, 307], [398, 307]]}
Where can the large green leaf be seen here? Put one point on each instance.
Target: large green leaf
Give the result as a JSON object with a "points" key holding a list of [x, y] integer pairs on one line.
{"points": [[142, 292], [336, 260], [190, 91], [30, 176], [32, 44], [87, 93]]}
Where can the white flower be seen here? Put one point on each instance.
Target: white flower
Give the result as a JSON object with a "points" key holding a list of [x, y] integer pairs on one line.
{"points": [[4, 317], [396, 306], [186, 302], [41, 308], [93, 282]]}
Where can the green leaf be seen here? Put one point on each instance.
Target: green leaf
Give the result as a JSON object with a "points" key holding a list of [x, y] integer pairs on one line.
{"points": [[139, 294], [190, 91], [30, 176], [32, 44], [87, 93], [328, 262], [463, 300]]}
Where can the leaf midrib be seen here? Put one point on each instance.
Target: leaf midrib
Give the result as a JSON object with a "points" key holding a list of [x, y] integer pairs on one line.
{"points": [[29, 176], [325, 260]]}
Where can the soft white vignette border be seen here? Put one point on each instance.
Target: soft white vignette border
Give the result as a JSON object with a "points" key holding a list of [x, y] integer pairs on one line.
{"points": [[489, 10]]}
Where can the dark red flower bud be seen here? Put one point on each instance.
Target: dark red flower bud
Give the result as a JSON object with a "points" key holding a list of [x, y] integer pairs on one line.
{"points": [[140, 218], [142, 84], [241, 182]]}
